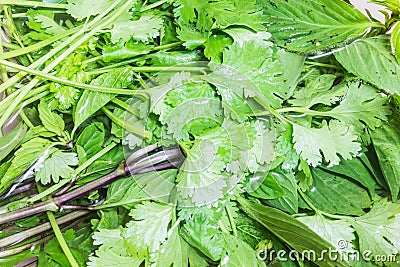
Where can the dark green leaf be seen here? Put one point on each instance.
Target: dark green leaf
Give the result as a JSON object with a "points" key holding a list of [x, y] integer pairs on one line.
{"points": [[335, 194], [92, 101], [292, 231], [51, 120], [386, 141], [91, 139], [371, 60], [238, 253], [269, 187], [356, 170], [288, 202]]}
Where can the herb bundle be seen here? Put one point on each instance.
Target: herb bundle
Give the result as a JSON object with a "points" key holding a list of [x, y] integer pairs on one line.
{"points": [[199, 133]]}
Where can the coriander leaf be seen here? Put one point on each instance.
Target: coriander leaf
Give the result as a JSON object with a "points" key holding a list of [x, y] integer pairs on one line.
{"points": [[81, 9], [66, 95], [191, 38], [56, 166], [257, 69], [201, 178], [24, 157], [333, 231], [243, 35], [190, 108], [205, 235], [147, 27], [215, 45], [111, 257], [174, 252], [238, 253], [386, 141], [220, 14], [51, 120], [326, 142], [50, 26], [377, 230], [361, 103], [309, 25], [318, 91], [91, 101], [379, 68], [149, 227], [110, 237], [284, 149]]}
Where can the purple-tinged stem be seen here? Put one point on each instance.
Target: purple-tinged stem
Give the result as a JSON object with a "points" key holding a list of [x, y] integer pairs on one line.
{"points": [[39, 229]]}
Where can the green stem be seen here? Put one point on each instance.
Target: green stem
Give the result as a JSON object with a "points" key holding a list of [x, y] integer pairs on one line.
{"points": [[133, 60], [154, 5], [29, 99], [25, 90], [120, 203], [12, 27], [271, 110], [25, 119], [61, 240], [49, 191], [127, 126], [39, 45], [231, 219], [94, 158], [3, 69], [56, 79], [302, 110], [32, 4], [126, 106], [157, 69], [318, 64]]}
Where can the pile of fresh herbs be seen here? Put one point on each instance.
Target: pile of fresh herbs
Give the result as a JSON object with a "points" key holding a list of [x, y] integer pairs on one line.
{"points": [[199, 133]]}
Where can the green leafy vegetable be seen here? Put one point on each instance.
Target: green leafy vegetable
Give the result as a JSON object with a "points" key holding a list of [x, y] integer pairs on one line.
{"points": [[312, 25], [56, 166], [185, 133]]}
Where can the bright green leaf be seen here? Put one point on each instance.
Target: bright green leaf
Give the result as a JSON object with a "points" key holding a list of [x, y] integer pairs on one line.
{"points": [[310, 25], [56, 166], [370, 59], [327, 142]]}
